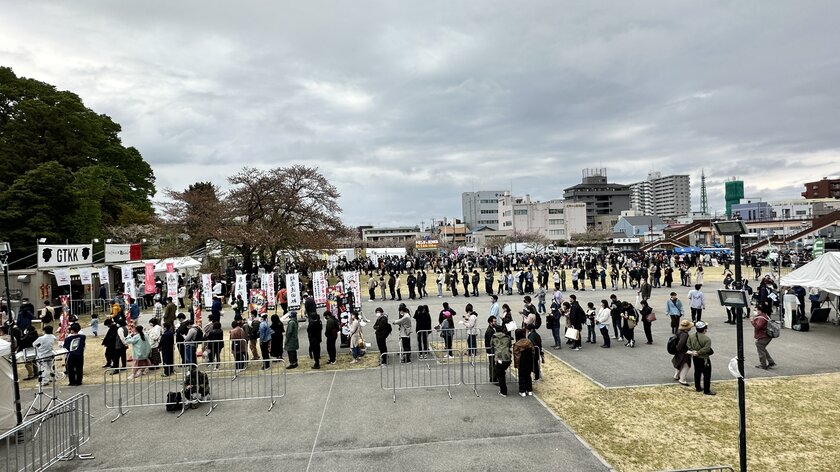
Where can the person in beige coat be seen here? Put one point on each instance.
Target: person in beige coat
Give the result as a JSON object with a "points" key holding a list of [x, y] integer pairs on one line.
{"points": [[356, 336]]}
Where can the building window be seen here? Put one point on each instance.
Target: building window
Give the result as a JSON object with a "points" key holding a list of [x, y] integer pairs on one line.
{"points": [[508, 223], [489, 212], [520, 212], [555, 211], [555, 221]]}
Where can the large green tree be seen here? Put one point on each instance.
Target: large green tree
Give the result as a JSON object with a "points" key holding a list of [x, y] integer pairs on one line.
{"points": [[64, 172]]}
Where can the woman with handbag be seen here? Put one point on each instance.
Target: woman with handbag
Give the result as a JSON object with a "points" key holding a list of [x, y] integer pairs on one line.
{"points": [[648, 316], [630, 318]]}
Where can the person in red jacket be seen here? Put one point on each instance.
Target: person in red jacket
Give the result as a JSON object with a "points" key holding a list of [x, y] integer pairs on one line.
{"points": [[762, 339]]}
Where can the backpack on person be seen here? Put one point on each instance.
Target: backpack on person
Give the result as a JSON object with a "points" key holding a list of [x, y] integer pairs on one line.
{"points": [[673, 341], [772, 328], [537, 321]]}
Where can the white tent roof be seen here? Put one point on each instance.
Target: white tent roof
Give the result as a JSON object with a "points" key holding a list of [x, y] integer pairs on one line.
{"points": [[8, 416], [178, 262], [822, 273]]}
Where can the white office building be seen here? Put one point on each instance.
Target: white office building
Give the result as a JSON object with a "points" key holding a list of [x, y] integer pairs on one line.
{"points": [[481, 208], [554, 219], [666, 197]]}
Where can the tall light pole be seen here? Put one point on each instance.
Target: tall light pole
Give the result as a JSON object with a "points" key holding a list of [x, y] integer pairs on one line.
{"points": [[5, 250], [737, 298]]}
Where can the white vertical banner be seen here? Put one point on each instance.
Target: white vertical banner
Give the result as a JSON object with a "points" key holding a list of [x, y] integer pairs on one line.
{"points": [[126, 273], [241, 288], [268, 286], [85, 276], [103, 275], [319, 288], [172, 285], [293, 291], [207, 289], [62, 277], [131, 289], [351, 284]]}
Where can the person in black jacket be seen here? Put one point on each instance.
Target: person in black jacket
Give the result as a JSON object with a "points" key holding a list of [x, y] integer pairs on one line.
{"points": [[277, 330], [29, 337], [411, 280], [313, 332], [423, 325], [382, 329], [331, 333], [578, 318], [488, 339], [167, 349], [108, 341]]}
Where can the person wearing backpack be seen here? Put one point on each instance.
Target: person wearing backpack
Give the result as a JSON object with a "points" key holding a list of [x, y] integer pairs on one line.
{"points": [[381, 330], [500, 343], [762, 339], [678, 346]]}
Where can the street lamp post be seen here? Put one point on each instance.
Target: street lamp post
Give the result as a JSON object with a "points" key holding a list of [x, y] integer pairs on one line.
{"points": [[5, 250], [737, 298]]}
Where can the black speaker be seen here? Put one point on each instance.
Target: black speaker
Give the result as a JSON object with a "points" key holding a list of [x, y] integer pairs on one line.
{"points": [[820, 315]]}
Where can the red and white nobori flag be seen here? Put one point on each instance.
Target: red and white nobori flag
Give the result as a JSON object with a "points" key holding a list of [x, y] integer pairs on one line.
{"points": [[196, 303], [149, 280]]}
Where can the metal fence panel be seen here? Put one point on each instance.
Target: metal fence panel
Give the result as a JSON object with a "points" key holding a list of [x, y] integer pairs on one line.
{"points": [[53, 435], [247, 380], [125, 389], [233, 380], [431, 372]]}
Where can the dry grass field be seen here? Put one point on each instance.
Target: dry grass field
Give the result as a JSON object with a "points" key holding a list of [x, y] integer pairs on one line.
{"points": [[793, 423]]}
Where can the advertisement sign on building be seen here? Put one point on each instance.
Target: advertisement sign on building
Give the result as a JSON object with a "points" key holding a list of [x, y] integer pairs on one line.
{"points": [[122, 252]]}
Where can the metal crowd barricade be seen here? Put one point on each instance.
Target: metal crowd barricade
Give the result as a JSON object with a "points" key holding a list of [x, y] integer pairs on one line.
{"points": [[53, 435], [124, 389], [247, 380], [233, 380], [439, 372], [483, 370]]}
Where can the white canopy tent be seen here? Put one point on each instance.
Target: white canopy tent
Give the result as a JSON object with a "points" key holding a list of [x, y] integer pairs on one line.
{"points": [[8, 417], [181, 264], [822, 273]]}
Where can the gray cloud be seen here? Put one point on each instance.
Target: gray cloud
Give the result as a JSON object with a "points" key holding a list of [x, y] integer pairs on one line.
{"points": [[405, 106]]}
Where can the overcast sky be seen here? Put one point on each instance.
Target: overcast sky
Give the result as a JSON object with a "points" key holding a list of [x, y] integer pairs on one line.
{"points": [[405, 105]]}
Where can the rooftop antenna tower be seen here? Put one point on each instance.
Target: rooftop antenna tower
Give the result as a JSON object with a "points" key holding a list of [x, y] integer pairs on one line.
{"points": [[704, 198]]}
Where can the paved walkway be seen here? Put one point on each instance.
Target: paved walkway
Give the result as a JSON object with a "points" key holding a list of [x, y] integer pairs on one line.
{"points": [[341, 421]]}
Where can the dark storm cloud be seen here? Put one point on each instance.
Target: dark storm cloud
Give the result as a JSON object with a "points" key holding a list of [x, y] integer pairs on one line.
{"points": [[406, 105]]}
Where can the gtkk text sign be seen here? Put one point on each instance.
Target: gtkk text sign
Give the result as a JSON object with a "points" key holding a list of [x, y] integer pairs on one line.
{"points": [[64, 255]]}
